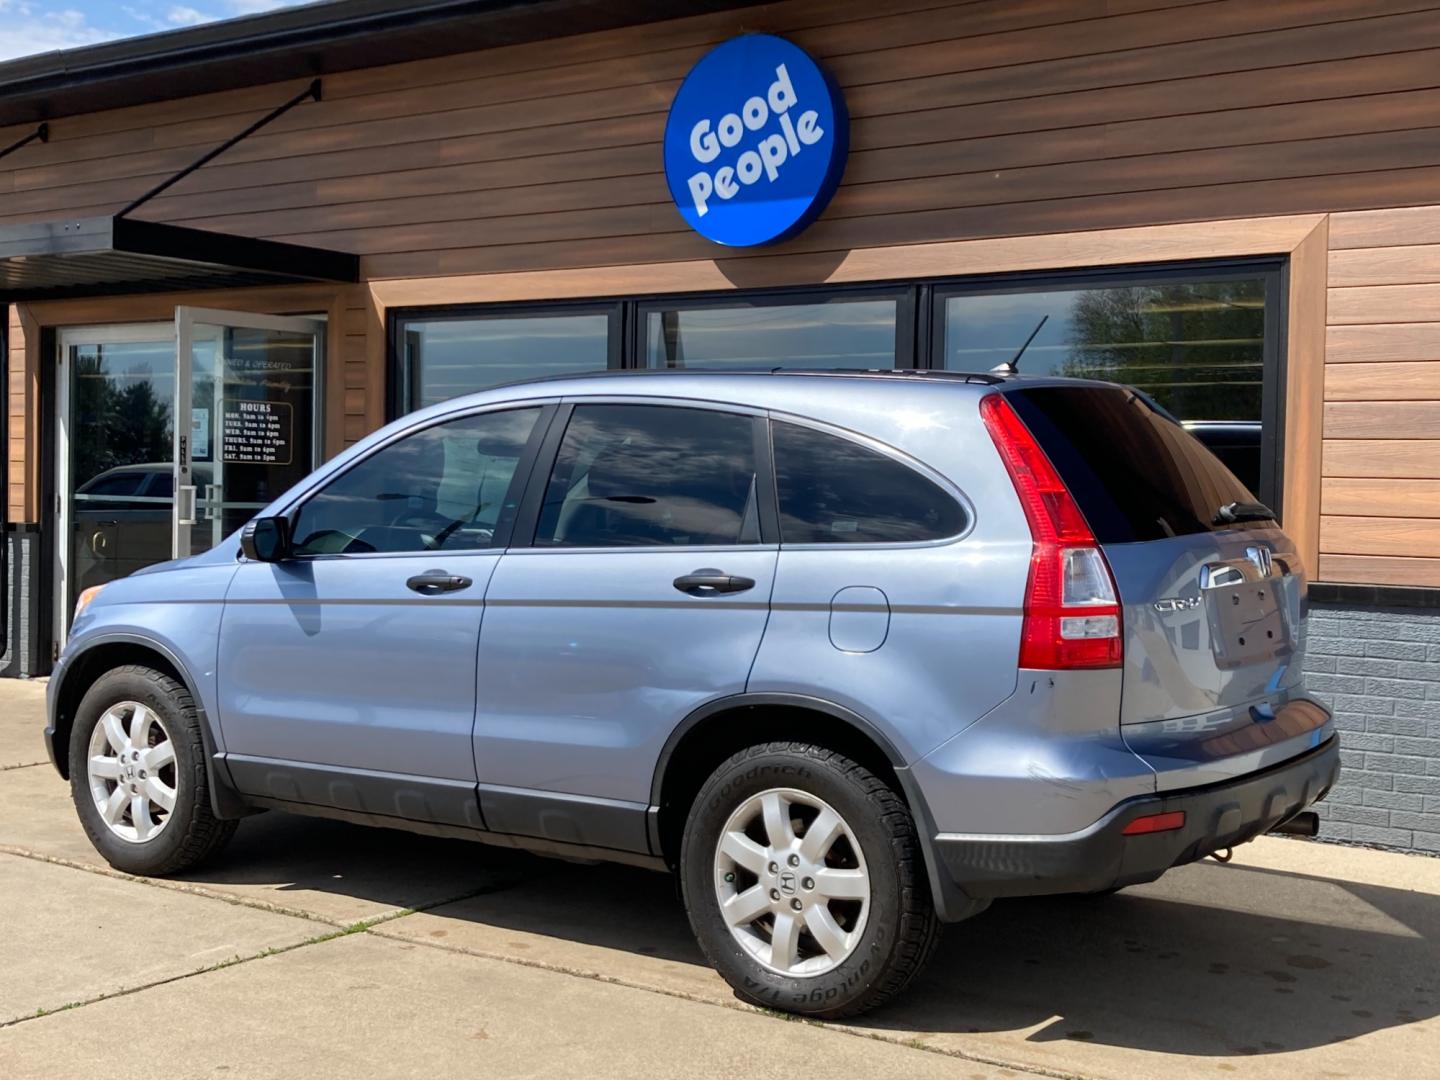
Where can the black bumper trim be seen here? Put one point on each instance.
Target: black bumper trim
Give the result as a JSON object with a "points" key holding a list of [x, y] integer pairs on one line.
{"points": [[1102, 857]]}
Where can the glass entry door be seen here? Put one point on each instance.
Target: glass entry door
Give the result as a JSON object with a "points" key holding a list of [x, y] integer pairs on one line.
{"points": [[245, 418], [114, 469]]}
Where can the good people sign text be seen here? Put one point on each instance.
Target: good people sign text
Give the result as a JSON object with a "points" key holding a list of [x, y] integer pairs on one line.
{"points": [[755, 143]]}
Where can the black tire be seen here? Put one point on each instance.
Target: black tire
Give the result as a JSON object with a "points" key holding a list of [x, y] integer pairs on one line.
{"points": [[900, 929], [192, 833]]}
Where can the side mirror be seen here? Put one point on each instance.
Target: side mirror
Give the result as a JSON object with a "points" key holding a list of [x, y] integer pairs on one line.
{"points": [[266, 539]]}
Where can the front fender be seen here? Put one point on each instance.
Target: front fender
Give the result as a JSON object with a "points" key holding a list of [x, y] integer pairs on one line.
{"points": [[174, 615]]}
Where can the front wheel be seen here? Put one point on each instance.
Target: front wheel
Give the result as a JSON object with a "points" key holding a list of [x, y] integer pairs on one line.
{"points": [[137, 774], [804, 882]]}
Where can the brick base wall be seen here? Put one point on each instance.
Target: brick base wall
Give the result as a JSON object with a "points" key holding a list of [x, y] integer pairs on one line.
{"points": [[19, 657], [1379, 670]]}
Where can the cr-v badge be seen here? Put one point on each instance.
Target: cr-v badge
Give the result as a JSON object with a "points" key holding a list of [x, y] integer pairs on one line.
{"points": [[1177, 603]]}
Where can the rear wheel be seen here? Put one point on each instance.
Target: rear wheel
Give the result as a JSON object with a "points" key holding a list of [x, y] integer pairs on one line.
{"points": [[803, 881], [137, 774]]}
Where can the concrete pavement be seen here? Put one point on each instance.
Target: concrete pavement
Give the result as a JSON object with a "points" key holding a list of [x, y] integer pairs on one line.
{"points": [[315, 949]]}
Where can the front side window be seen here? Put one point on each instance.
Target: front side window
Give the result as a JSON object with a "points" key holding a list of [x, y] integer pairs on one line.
{"points": [[835, 491], [650, 475], [449, 487]]}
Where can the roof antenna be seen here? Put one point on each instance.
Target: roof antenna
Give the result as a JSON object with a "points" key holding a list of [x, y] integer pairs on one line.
{"points": [[1012, 366]]}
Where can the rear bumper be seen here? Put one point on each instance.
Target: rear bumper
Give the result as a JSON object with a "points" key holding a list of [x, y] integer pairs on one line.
{"points": [[1101, 857]]}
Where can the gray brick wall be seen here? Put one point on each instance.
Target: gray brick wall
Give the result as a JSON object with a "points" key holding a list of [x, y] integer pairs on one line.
{"points": [[19, 657], [1379, 671]]}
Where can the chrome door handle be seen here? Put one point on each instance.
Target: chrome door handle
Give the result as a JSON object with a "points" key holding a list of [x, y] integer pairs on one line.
{"points": [[434, 582], [185, 504], [709, 582]]}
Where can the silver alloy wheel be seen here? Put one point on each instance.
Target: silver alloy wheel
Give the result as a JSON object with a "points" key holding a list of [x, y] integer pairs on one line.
{"points": [[792, 883], [132, 771]]}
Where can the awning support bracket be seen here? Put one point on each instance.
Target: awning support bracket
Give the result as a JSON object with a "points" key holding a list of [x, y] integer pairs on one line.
{"points": [[40, 134], [311, 92]]}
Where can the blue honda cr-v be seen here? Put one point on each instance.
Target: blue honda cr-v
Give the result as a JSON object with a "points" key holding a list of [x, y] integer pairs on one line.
{"points": [[852, 654]]}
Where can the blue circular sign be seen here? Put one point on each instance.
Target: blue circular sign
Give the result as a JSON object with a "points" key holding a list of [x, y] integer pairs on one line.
{"points": [[755, 143]]}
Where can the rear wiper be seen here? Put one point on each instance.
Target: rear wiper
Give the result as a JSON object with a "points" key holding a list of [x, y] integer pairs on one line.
{"points": [[1234, 512]]}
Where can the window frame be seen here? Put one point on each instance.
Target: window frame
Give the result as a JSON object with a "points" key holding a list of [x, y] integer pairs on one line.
{"points": [[527, 518], [400, 383], [1274, 272], [919, 323], [504, 532], [902, 293]]}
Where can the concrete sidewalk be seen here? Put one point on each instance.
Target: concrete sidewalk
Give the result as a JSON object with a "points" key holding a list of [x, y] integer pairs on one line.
{"points": [[318, 949]]}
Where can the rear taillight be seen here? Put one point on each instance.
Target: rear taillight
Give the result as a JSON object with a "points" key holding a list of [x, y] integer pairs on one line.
{"points": [[1072, 615]]}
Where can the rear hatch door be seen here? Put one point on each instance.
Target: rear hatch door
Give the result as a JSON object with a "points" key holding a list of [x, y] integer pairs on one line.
{"points": [[1212, 608]]}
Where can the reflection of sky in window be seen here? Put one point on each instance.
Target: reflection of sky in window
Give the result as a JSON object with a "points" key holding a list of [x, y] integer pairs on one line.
{"points": [[462, 356], [1198, 370], [847, 334]]}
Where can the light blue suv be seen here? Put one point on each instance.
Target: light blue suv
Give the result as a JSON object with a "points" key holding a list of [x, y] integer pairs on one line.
{"points": [[852, 654]]}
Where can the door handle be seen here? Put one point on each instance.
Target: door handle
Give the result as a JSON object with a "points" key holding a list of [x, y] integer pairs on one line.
{"points": [[434, 582], [712, 582]]}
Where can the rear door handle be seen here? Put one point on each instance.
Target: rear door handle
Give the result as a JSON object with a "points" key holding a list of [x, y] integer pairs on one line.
{"points": [[712, 582], [433, 582]]}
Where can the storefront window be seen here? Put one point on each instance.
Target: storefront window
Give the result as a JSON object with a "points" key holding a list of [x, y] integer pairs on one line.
{"points": [[1201, 340], [444, 358], [834, 333], [1196, 346]]}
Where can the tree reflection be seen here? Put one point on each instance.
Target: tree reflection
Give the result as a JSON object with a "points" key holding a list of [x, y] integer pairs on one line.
{"points": [[1196, 347], [118, 419]]}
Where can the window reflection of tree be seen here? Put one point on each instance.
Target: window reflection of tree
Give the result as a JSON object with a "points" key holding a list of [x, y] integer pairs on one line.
{"points": [[119, 418], [1196, 347]]}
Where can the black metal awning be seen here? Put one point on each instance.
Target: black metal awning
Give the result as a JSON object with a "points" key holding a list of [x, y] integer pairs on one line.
{"points": [[115, 256]]}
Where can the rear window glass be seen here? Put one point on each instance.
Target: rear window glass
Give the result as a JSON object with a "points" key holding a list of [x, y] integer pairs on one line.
{"points": [[1135, 474], [835, 491]]}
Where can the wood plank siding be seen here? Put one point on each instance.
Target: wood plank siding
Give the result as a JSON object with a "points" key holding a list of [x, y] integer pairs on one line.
{"points": [[987, 135], [987, 118], [1380, 487]]}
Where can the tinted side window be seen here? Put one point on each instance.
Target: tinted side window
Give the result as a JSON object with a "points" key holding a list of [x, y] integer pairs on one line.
{"points": [[444, 488], [162, 485], [632, 475], [835, 491], [122, 483]]}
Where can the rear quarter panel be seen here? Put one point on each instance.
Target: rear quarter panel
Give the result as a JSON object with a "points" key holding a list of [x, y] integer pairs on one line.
{"points": [[954, 607]]}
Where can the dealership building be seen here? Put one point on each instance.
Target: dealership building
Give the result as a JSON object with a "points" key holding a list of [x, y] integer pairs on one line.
{"points": [[228, 252]]}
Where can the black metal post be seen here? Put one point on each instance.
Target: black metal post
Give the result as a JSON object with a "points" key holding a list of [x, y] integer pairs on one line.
{"points": [[310, 92], [41, 134]]}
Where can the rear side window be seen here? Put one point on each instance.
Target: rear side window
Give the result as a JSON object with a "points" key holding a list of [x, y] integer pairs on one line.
{"points": [[1135, 474], [835, 491]]}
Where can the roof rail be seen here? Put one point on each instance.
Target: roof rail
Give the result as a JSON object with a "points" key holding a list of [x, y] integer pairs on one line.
{"points": [[985, 378]]}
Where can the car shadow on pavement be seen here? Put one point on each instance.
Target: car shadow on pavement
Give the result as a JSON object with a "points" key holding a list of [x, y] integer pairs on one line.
{"points": [[1211, 961], [287, 856]]}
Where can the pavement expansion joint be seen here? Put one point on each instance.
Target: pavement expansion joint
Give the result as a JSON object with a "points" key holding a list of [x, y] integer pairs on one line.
{"points": [[234, 961], [186, 887], [22, 765], [192, 889]]}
